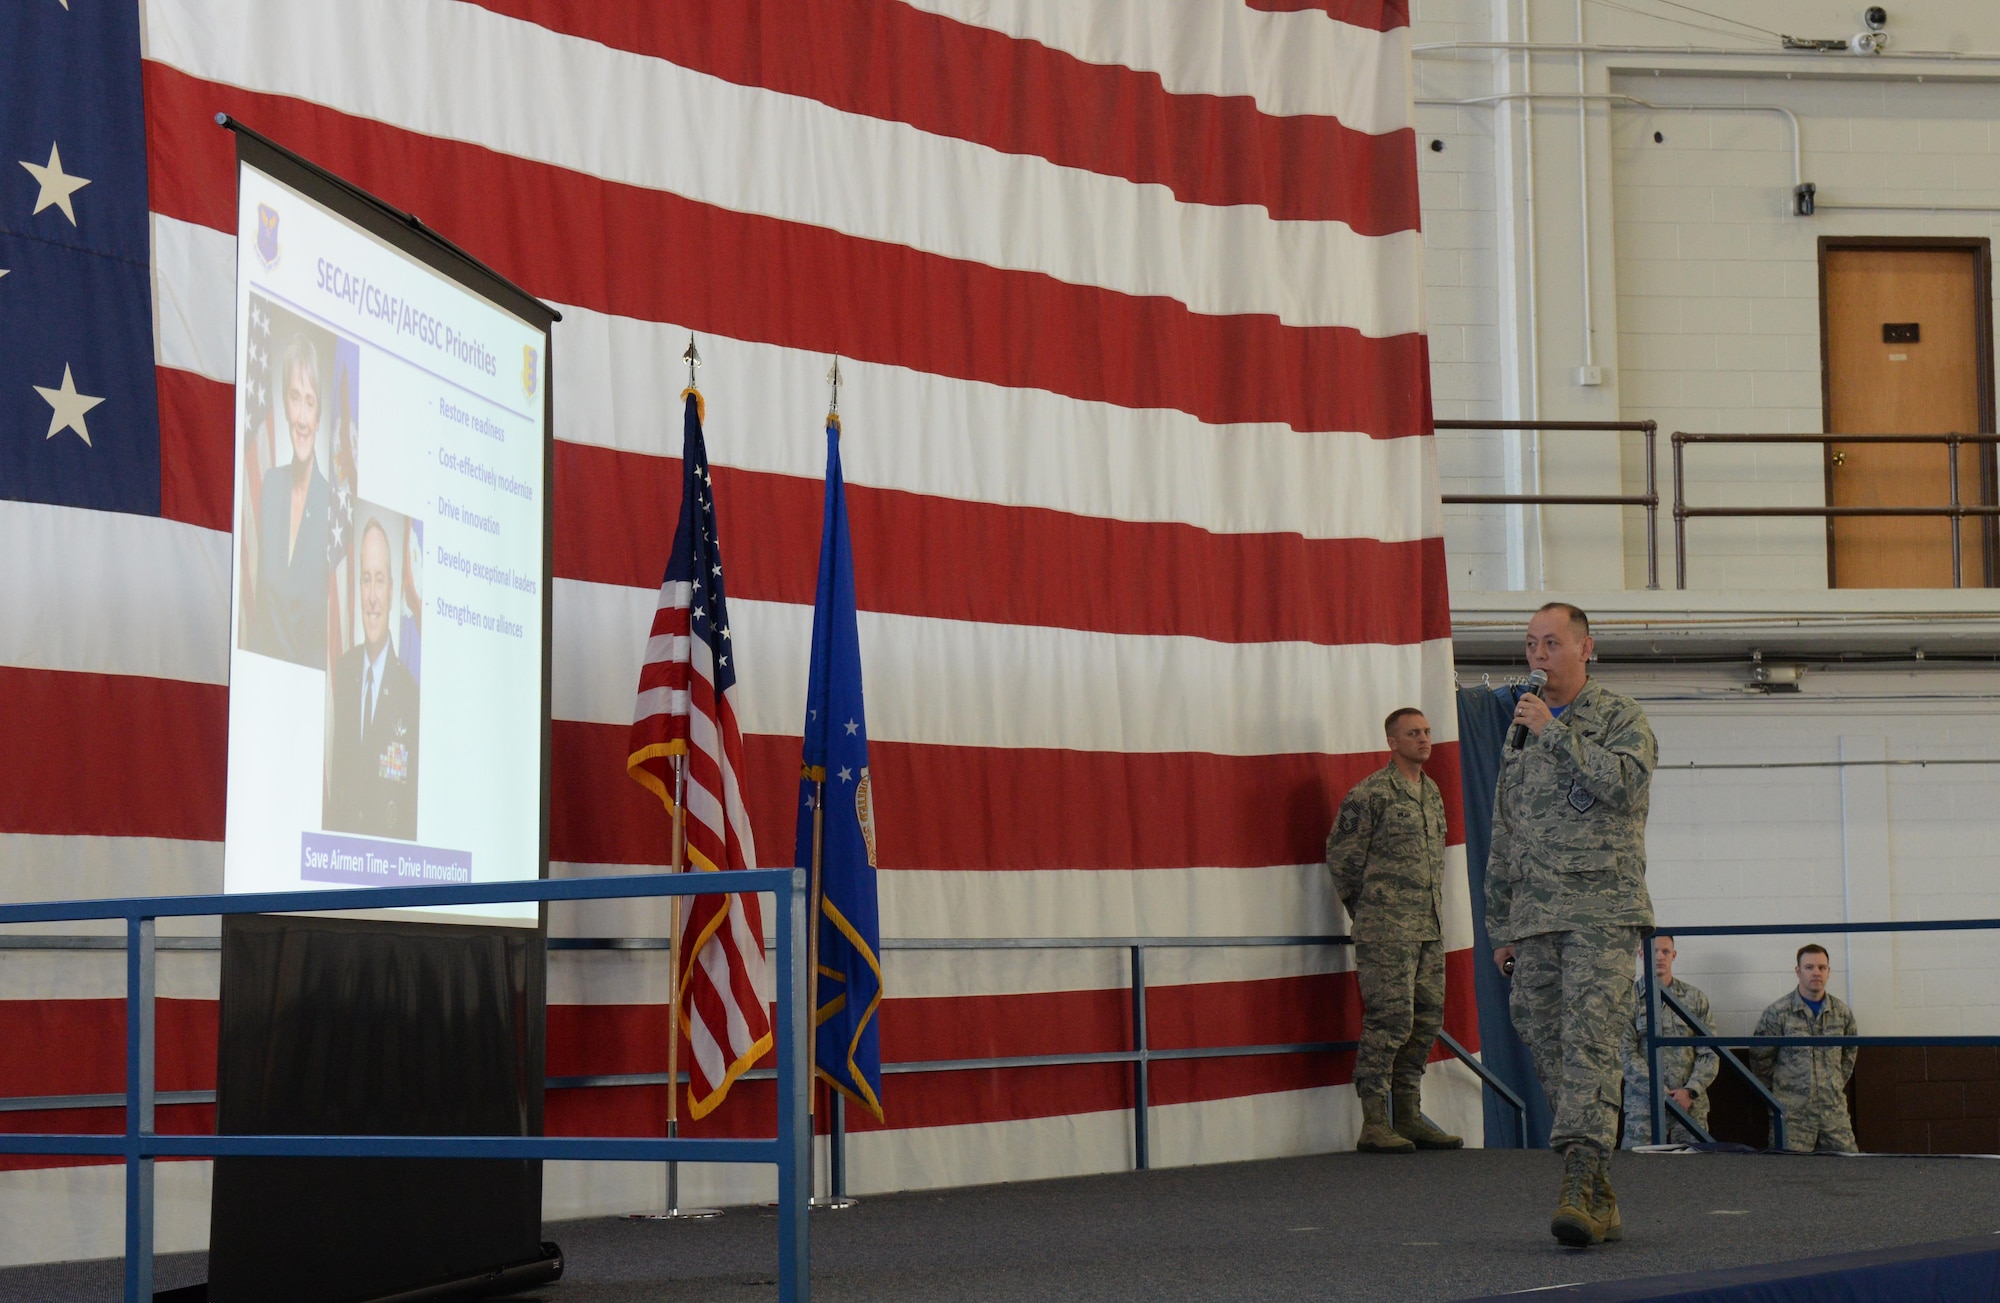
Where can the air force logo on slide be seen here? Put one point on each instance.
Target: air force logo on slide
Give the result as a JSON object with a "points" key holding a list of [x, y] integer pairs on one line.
{"points": [[267, 235], [530, 373]]}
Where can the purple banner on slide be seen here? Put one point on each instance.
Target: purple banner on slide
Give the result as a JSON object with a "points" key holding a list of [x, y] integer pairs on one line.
{"points": [[366, 862]]}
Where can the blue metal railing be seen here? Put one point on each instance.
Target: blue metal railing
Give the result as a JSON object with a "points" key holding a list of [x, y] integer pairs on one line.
{"points": [[140, 1145], [1656, 1042], [1696, 1129], [1141, 1055]]}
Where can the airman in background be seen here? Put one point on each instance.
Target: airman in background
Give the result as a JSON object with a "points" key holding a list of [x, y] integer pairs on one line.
{"points": [[1811, 1084], [1386, 854], [1685, 1071]]}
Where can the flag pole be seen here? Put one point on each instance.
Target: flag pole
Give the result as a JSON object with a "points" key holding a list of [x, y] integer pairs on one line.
{"points": [[676, 861], [835, 1199], [812, 937], [819, 824], [674, 953]]}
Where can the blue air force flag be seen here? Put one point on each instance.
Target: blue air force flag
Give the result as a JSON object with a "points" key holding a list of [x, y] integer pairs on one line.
{"points": [[79, 409], [847, 1039]]}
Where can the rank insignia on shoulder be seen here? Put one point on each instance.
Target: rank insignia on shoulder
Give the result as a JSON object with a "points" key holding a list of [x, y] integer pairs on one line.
{"points": [[1350, 818], [1580, 798]]}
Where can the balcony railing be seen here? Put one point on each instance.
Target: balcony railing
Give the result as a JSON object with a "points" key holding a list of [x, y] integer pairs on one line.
{"points": [[1650, 499], [1957, 509]]}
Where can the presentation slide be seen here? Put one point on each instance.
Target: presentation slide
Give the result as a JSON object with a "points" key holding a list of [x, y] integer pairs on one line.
{"points": [[385, 667]]}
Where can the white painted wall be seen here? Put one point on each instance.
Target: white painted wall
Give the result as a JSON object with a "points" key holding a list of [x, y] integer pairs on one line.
{"points": [[1830, 843], [1704, 290]]}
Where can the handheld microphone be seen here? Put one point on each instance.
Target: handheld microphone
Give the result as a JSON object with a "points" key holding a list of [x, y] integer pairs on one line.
{"points": [[1537, 680]]}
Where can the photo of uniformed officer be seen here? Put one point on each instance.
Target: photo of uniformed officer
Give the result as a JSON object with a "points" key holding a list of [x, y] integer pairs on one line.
{"points": [[373, 696]]}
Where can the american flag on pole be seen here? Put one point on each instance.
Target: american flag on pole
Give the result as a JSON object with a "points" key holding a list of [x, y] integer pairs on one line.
{"points": [[687, 709]]}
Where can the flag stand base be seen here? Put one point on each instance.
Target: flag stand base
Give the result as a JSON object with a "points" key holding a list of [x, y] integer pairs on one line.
{"points": [[830, 1204], [674, 1212]]}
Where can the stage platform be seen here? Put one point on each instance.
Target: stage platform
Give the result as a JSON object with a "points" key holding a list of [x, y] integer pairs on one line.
{"points": [[1349, 1226]]}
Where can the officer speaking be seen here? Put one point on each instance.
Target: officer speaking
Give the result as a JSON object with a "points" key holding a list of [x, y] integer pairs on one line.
{"points": [[1566, 902]]}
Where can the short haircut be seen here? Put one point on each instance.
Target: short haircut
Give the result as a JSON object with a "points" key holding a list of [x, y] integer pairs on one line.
{"points": [[1577, 619], [1389, 724], [1667, 937], [300, 354], [1810, 948], [377, 526]]}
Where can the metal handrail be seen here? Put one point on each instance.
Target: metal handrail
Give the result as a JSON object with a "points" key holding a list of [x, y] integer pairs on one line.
{"points": [[140, 1145], [1500, 1088], [1957, 510], [1742, 1070], [1656, 1042], [1650, 499], [1140, 1055]]}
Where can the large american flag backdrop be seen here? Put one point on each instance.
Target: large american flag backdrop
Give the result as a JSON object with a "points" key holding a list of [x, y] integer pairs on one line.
{"points": [[1128, 300]]}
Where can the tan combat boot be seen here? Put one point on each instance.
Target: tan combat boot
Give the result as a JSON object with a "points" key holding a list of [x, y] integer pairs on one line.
{"points": [[1413, 1126], [1604, 1203], [1376, 1135], [1575, 1224]]}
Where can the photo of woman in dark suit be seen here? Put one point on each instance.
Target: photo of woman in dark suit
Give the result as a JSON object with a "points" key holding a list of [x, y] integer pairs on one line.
{"points": [[292, 523]]}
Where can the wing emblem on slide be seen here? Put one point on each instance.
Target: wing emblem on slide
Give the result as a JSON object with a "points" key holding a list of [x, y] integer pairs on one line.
{"points": [[267, 235], [530, 373]]}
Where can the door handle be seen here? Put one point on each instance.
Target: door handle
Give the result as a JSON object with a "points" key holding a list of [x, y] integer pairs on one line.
{"points": [[1840, 459]]}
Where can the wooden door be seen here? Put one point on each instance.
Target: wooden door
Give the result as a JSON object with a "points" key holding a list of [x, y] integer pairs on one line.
{"points": [[1905, 349]]}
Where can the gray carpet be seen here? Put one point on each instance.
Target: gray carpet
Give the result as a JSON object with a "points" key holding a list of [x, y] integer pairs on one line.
{"points": [[1351, 1226]]}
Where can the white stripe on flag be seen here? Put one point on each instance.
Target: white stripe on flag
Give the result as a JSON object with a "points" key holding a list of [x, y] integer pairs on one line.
{"points": [[624, 116], [962, 683], [1290, 63], [1064, 454]]}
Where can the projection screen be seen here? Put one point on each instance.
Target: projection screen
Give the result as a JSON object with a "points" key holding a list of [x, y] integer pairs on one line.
{"points": [[388, 649]]}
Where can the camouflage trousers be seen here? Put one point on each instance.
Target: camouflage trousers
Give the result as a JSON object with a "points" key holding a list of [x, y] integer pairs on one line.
{"points": [[1402, 1012], [1639, 1114], [1822, 1130], [1572, 1001]]}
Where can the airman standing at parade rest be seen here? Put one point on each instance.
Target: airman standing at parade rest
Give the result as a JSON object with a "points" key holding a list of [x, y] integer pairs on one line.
{"points": [[1386, 854], [1685, 1071], [1811, 1084]]}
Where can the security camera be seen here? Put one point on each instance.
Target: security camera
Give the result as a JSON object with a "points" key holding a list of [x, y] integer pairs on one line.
{"points": [[1876, 17]]}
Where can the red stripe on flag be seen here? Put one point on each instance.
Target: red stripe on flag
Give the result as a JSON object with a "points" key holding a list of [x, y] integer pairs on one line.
{"points": [[962, 807], [1376, 15], [197, 454], [610, 1039], [579, 239], [77, 1047], [951, 559], [108, 755], [888, 60], [916, 554]]}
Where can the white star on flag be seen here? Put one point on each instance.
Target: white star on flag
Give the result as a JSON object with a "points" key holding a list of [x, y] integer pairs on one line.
{"points": [[57, 185], [851, 727], [69, 407], [846, 774]]}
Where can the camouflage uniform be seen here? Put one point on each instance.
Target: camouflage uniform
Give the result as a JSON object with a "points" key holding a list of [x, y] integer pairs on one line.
{"points": [[1682, 1067], [1566, 887], [1811, 1084], [1386, 854]]}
